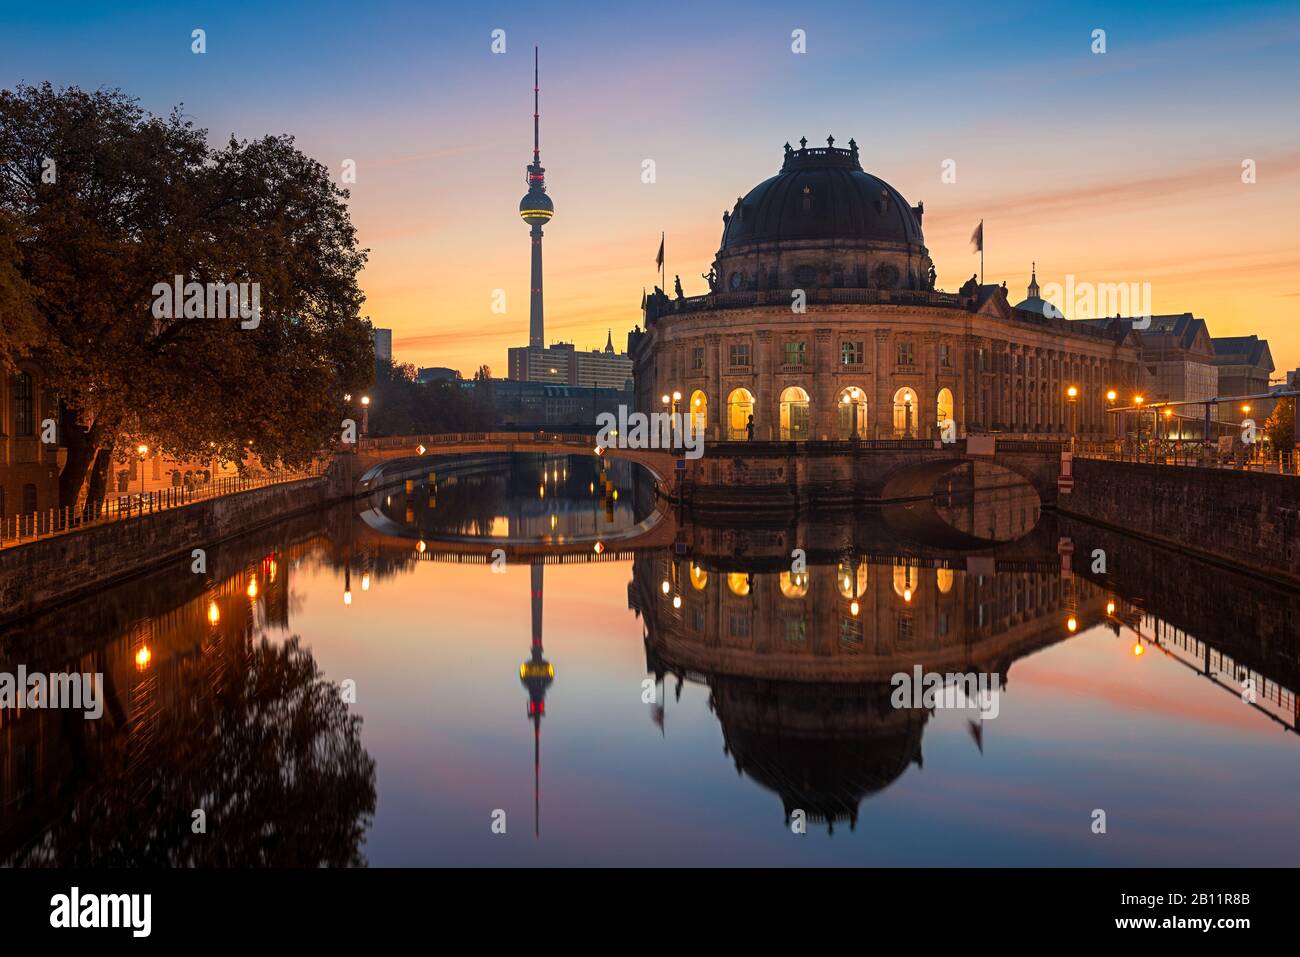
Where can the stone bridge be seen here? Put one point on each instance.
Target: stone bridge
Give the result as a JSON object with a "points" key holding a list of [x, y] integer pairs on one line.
{"points": [[746, 475], [383, 460], [797, 475]]}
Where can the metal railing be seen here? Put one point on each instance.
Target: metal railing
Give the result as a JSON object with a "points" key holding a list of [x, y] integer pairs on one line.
{"points": [[1192, 454], [27, 527]]}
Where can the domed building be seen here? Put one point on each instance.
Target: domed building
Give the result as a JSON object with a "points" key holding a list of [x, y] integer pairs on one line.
{"points": [[822, 322]]}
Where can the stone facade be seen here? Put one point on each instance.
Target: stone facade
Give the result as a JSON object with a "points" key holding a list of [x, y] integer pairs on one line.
{"points": [[29, 469], [822, 322]]}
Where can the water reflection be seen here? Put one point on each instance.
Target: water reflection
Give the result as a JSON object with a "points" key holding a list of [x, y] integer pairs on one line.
{"points": [[773, 670]]}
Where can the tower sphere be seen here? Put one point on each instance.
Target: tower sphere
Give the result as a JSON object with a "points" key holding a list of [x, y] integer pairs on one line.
{"points": [[536, 208]]}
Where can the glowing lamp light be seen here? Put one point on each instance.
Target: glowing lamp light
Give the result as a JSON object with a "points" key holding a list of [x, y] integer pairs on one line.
{"points": [[677, 601], [1138, 650], [907, 594], [214, 613], [252, 587], [666, 399], [1072, 624], [677, 397], [1138, 400], [667, 587], [347, 596], [1072, 392], [854, 608], [143, 657], [1111, 395], [1169, 413], [365, 582], [421, 547], [365, 400], [1245, 409], [1110, 608]]}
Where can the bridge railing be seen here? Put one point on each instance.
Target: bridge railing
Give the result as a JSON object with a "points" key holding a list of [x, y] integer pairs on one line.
{"points": [[1192, 454]]}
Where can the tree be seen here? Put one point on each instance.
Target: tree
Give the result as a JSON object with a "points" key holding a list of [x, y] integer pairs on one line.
{"points": [[112, 204], [1279, 427]]}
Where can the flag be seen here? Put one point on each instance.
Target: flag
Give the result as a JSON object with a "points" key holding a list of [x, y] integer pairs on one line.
{"points": [[659, 257], [977, 238]]}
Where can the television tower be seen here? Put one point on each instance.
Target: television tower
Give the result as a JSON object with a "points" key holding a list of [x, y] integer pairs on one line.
{"points": [[536, 209]]}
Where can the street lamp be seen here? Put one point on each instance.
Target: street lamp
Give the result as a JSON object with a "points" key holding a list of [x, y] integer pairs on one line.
{"points": [[142, 451], [1072, 393], [1111, 396], [365, 415]]}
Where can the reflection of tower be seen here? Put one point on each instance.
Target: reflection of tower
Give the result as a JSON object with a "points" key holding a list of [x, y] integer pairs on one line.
{"points": [[536, 674], [536, 209]]}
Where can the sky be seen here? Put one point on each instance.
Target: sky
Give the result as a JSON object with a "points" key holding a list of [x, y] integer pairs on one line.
{"points": [[1117, 167]]}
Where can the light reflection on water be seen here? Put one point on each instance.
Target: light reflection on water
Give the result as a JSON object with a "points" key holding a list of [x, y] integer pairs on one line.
{"points": [[525, 690]]}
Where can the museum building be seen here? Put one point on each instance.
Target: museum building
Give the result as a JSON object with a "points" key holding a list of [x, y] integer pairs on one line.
{"points": [[822, 321]]}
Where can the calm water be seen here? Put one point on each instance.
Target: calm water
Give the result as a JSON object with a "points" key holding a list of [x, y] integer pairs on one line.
{"points": [[660, 705]]}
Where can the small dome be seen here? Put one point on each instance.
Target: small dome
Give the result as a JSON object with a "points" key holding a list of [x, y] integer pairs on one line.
{"points": [[1040, 307]]}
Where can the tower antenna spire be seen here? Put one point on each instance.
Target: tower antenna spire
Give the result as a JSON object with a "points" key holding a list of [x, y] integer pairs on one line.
{"points": [[537, 153]]}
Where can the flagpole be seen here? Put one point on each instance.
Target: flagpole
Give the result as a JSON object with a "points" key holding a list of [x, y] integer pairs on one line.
{"points": [[981, 252], [663, 264]]}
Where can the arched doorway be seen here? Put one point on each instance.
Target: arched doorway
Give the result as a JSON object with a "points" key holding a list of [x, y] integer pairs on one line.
{"points": [[699, 412], [794, 415], [740, 412], [905, 413], [851, 410], [851, 578], [943, 409]]}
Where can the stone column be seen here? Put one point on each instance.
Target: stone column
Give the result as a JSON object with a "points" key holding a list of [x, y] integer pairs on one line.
{"points": [[822, 418], [882, 410], [766, 404], [717, 412]]}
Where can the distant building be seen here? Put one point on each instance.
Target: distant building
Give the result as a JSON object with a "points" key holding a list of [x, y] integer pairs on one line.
{"points": [[1245, 366], [563, 364], [540, 405], [383, 342], [1176, 358], [29, 469], [436, 374], [1293, 380]]}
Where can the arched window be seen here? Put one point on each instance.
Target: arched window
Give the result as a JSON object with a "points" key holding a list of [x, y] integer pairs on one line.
{"points": [[699, 412], [851, 578], [905, 414], [794, 414], [851, 412], [794, 584], [740, 412], [943, 578], [738, 582], [905, 581], [943, 409], [699, 577]]}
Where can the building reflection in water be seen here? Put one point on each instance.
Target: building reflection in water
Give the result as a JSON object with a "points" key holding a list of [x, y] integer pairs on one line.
{"points": [[202, 711], [798, 663]]}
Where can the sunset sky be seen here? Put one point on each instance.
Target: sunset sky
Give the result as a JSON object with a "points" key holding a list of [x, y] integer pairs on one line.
{"points": [[1117, 167]]}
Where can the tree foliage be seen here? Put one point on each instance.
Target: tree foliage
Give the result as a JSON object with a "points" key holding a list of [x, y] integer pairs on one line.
{"points": [[136, 200]]}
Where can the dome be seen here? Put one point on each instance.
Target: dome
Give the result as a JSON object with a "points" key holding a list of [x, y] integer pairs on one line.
{"points": [[822, 222], [1035, 303], [822, 193]]}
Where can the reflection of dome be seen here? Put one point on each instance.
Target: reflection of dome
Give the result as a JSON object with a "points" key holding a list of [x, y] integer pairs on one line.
{"points": [[821, 747]]}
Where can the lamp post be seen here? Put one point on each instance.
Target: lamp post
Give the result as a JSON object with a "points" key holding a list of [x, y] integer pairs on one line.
{"points": [[1138, 400], [1072, 393], [142, 451], [1111, 396], [365, 415]]}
